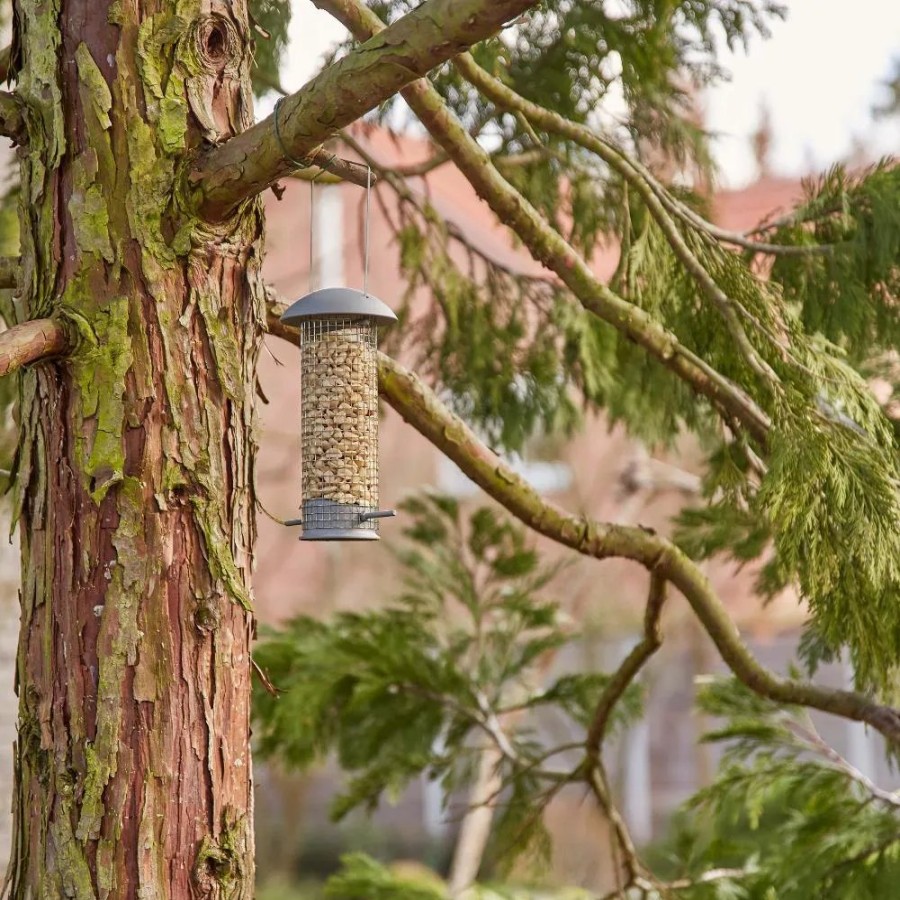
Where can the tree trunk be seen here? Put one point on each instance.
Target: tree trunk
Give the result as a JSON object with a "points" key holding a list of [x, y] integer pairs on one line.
{"points": [[134, 487]]}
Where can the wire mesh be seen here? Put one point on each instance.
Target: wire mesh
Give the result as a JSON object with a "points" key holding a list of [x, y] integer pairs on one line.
{"points": [[339, 424]]}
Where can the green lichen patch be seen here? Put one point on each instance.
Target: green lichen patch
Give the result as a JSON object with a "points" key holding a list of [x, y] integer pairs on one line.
{"points": [[71, 877], [38, 81], [87, 206], [99, 368], [39, 90], [98, 90], [219, 553], [222, 340], [219, 867], [118, 644], [148, 200], [158, 40]]}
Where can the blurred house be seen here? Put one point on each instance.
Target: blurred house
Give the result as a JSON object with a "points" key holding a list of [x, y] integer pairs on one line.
{"points": [[600, 472]]}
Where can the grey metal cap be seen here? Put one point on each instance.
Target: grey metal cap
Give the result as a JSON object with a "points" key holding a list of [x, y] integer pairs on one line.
{"points": [[338, 301]]}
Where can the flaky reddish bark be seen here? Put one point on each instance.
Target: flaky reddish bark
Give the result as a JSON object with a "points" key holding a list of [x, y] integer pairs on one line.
{"points": [[135, 464]]}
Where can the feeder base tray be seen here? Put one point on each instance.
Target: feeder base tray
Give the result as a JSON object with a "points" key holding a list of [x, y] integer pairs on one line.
{"points": [[339, 534], [325, 520]]}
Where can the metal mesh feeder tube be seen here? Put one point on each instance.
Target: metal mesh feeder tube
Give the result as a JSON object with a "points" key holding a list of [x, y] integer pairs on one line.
{"points": [[339, 412]]}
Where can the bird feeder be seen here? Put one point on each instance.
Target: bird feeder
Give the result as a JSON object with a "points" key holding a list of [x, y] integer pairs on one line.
{"points": [[339, 412]]}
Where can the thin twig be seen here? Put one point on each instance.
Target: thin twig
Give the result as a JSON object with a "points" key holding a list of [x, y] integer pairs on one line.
{"points": [[683, 884], [814, 741], [416, 170], [630, 667], [598, 783], [429, 214], [264, 679]]}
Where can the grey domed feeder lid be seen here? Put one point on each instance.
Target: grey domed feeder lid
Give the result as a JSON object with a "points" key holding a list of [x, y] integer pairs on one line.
{"points": [[339, 301]]}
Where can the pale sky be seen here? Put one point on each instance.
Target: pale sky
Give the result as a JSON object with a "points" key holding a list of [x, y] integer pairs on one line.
{"points": [[818, 73]]}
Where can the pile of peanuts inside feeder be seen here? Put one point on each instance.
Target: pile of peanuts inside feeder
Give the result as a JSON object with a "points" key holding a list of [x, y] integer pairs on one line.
{"points": [[340, 419]]}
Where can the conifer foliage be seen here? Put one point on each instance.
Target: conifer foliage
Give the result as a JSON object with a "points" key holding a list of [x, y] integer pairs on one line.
{"points": [[787, 815], [457, 664], [786, 322], [136, 320], [454, 665], [762, 344]]}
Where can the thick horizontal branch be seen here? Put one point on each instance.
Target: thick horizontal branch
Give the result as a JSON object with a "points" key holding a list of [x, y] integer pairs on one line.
{"points": [[421, 408], [368, 76], [550, 248], [322, 166], [31, 342]]}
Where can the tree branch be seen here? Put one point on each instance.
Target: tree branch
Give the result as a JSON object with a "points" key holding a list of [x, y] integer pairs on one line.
{"points": [[475, 827], [634, 868], [428, 213], [372, 73], [439, 158], [421, 408], [343, 169], [630, 667], [417, 170], [664, 888], [323, 166], [595, 772], [670, 213], [811, 739], [31, 342], [550, 248]]}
